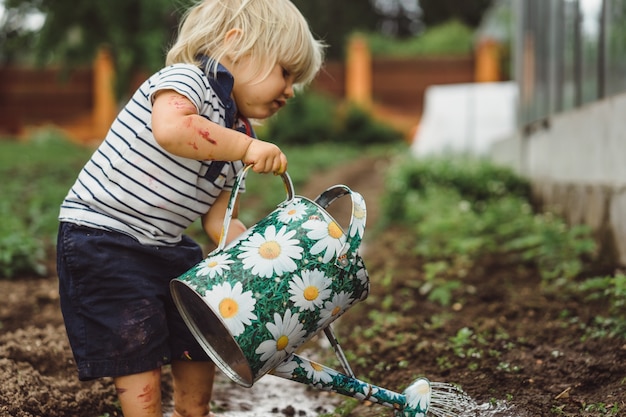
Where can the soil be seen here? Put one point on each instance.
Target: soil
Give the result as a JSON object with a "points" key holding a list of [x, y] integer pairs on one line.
{"points": [[529, 348]]}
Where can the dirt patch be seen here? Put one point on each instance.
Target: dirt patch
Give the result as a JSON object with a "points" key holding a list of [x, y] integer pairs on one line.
{"points": [[523, 347]]}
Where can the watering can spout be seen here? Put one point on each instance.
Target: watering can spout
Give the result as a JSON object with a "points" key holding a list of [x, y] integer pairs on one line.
{"points": [[413, 402]]}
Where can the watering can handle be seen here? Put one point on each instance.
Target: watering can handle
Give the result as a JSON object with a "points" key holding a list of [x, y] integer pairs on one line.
{"points": [[233, 198], [357, 220]]}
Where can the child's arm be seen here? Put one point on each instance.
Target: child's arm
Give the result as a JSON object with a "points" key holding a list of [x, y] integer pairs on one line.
{"points": [[180, 130], [213, 221]]}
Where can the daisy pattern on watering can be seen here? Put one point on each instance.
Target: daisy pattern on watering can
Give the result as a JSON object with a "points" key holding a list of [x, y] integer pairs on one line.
{"points": [[285, 278]]}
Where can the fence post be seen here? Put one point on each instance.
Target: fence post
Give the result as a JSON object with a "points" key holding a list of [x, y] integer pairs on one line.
{"points": [[359, 73], [105, 108], [487, 66]]}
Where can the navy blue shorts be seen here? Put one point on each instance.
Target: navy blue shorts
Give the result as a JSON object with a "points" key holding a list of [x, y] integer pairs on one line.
{"points": [[118, 311]]}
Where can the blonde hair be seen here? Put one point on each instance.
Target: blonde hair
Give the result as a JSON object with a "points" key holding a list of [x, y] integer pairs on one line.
{"points": [[272, 32]]}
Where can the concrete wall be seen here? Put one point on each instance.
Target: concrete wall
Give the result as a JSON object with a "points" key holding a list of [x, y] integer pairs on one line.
{"points": [[576, 162]]}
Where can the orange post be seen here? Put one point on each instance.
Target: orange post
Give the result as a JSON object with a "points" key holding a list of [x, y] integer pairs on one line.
{"points": [[104, 109], [359, 73], [487, 67]]}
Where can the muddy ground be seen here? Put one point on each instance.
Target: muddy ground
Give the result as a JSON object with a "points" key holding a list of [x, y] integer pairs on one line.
{"points": [[524, 348]]}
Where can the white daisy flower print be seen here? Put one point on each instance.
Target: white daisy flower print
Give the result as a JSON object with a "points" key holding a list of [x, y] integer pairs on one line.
{"points": [[418, 394], [294, 211], [214, 265], [362, 395], [271, 254], [362, 275], [235, 307], [334, 307], [285, 369], [316, 372], [287, 333], [329, 236], [359, 214], [311, 290]]}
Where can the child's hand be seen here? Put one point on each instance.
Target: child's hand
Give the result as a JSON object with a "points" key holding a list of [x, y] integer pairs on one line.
{"points": [[265, 157]]}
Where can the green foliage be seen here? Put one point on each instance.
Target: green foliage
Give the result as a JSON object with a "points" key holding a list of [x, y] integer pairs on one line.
{"points": [[438, 286], [358, 127], [333, 21], [137, 32], [313, 118], [37, 176], [468, 11], [610, 290], [467, 179], [452, 38], [464, 210], [308, 119]]}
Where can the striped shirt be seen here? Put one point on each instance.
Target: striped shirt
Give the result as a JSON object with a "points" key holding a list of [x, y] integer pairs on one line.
{"points": [[134, 186]]}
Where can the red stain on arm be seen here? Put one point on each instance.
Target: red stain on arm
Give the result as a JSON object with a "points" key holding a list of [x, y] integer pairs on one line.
{"points": [[206, 135], [193, 145], [181, 103]]}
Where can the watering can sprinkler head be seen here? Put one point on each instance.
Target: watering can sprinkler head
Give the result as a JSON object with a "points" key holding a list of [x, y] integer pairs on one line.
{"points": [[417, 399]]}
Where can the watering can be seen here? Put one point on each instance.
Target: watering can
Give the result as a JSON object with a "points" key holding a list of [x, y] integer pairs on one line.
{"points": [[250, 304]]}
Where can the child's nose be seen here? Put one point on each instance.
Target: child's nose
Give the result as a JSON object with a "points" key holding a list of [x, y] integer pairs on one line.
{"points": [[289, 92]]}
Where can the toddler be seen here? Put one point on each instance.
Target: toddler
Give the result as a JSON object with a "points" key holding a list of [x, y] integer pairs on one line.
{"points": [[171, 157]]}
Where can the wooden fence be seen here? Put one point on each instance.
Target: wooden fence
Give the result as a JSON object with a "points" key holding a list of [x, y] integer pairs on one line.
{"points": [[30, 98]]}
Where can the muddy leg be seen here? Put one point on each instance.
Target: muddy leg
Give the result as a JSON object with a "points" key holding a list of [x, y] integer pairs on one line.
{"points": [[193, 385], [140, 394]]}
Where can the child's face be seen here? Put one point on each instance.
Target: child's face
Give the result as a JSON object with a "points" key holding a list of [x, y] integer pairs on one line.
{"points": [[260, 99]]}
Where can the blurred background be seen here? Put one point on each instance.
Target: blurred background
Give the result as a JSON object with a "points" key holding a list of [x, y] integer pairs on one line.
{"points": [[83, 60], [534, 85]]}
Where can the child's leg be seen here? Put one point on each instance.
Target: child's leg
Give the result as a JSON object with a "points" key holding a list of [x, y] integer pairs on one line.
{"points": [[193, 385], [140, 394]]}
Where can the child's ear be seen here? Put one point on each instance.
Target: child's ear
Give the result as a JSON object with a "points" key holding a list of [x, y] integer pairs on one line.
{"points": [[232, 37]]}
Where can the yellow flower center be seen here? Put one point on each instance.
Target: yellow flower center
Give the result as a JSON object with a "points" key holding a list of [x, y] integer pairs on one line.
{"points": [[228, 308], [311, 292], [334, 230], [269, 250], [212, 264], [282, 342], [316, 366], [291, 212], [336, 311]]}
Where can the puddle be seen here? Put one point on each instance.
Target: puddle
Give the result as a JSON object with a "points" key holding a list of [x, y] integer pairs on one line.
{"points": [[499, 409], [275, 396], [271, 395]]}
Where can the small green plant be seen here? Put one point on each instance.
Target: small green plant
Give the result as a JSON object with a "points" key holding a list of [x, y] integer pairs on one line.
{"points": [[437, 285], [444, 363], [602, 408], [344, 409], [612, 291]]}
